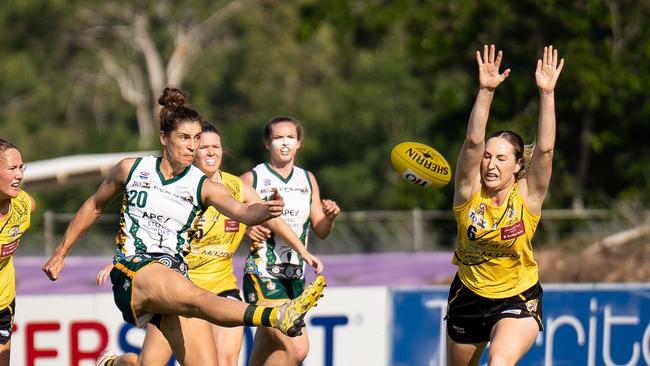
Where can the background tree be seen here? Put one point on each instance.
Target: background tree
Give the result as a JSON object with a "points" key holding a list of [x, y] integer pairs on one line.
{"points": [[142, 60], [361, 76]]}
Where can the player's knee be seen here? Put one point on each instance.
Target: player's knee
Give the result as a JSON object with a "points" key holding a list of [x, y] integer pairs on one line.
{"points": [[497, 358], [228, 359], [299, 351]]}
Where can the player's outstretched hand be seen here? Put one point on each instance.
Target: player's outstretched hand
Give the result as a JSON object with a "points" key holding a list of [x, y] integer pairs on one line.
{"points": [[488, 68], [275, 204], [313, 261], [258, 233], [53, 267], [330, 209], [548, 70], [103, 274]]}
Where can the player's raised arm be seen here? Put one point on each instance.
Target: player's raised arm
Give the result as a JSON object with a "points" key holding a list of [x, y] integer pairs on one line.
{"points": [[467, 178], [539, 173], [86, 216]]}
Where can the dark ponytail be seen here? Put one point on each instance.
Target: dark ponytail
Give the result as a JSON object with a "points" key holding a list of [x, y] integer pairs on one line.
{"points": [[174, 111]]}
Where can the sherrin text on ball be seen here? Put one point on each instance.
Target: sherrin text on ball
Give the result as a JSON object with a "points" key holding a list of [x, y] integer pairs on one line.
{"points": [[420, 164]]}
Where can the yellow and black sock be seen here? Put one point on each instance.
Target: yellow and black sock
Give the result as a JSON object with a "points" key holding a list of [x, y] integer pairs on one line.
{"points": [[260, 315]]}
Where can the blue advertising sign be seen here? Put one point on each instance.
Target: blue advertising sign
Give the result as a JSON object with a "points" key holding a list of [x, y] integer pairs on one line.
{"points": [[583, 325]]}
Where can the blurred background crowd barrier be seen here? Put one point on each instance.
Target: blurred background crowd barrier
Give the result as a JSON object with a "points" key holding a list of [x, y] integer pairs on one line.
{"points": [[359, 232]]}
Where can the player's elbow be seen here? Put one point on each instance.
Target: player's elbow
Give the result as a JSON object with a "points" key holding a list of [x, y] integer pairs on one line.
{"points": [[546, 153], [472, 142], [322, 233]]}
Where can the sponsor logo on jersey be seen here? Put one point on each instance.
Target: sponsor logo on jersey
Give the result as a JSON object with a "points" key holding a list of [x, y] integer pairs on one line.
{"points": [[158, 233], [303, 190], [139, 184], [477, 219], [476, 255], [216, 253], [144, 175], [267, 182], [513, 231], [531, 305], [481, 209], [459, 330], [15, 230], [9, 249], [230, 226], [512, 213], [270, 285], [185, 196], [252, 297], [155, 217], [290, 212]]}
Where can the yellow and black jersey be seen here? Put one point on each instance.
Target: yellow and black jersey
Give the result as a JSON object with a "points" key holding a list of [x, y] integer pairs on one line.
{"points": [[216, 238], [495, 253], [12, 227]]}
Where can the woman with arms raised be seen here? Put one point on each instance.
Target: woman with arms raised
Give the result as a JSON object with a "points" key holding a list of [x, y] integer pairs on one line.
{"points": [[500, 187]]}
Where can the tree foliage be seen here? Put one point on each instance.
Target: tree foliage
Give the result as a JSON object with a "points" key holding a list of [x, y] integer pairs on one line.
{"points": [[361, 76]]}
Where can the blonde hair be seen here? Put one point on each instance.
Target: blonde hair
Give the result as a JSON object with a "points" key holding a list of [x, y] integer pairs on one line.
{"points": [[525, 161]]}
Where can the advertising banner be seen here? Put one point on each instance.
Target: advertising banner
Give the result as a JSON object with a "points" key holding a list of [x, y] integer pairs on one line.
{"points": [[588, 325], [583, 325], [348, 328]]}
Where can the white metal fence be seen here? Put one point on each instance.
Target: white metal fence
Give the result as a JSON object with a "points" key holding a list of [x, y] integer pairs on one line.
{"points": [[357, 231]]}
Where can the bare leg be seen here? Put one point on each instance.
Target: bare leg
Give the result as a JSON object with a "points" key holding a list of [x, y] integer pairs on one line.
{"points": [[187, 338], [461, 354], [5, 352], [511, 339], [153, 339], [155, 348], [228, 342], [272, 348], [157, 289], [160, 290]]}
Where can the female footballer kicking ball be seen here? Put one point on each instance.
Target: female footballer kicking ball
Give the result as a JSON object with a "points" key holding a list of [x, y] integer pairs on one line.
{"points": [[500, 187], [161, 198], [215, 239]]}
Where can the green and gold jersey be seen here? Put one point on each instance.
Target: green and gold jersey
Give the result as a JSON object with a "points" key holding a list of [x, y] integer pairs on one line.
{"points": [[274, 258], [157, 213], [495, 253]]}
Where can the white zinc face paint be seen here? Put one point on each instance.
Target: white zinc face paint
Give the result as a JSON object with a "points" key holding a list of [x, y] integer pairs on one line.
{"points": [[280, 142]]}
